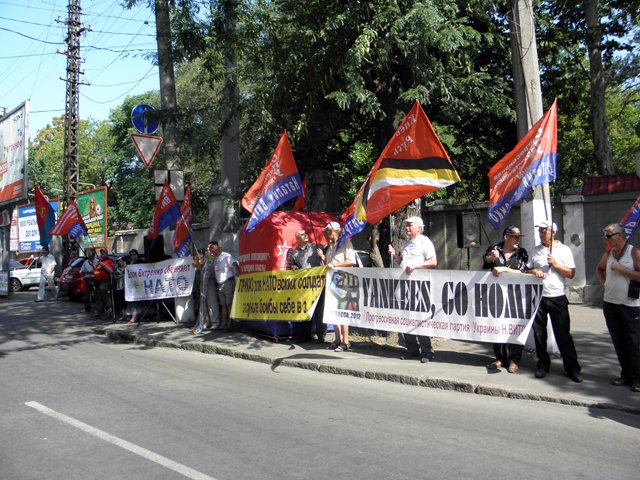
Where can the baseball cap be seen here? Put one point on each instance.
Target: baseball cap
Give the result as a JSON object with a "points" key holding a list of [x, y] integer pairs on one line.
{"points": [[335, 226], [104, 250], [512, 230], [414, 221], [547, 224]]}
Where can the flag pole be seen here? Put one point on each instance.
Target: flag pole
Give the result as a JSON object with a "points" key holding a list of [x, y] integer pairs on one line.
{"points": [[547, 201]]}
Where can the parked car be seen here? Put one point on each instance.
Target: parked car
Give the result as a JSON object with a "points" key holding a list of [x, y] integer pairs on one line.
{"points": [[25, 261], [21, 277], [71, 281]]}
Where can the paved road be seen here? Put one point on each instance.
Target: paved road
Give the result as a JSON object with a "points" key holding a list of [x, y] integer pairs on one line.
{"points": [[76, 406]]}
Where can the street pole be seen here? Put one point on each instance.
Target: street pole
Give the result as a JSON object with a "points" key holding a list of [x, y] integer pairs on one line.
{"points": [[72, 113], [528, 100]]}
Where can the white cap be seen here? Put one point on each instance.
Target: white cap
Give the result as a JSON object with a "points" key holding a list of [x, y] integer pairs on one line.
{"points": [[547, 224], [335, 226], [415, 221]]}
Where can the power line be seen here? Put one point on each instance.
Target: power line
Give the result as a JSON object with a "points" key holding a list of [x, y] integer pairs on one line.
{"points": [[90, 30], [147, 75], [31, 38]]}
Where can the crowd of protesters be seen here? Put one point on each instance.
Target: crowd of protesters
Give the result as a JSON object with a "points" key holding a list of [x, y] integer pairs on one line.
{"points": [[550, 260]]}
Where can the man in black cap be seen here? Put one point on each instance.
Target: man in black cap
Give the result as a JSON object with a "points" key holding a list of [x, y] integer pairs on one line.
{"points": [[505, 256]]}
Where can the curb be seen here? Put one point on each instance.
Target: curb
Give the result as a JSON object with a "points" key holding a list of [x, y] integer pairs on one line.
{"points": [[119, 336]]}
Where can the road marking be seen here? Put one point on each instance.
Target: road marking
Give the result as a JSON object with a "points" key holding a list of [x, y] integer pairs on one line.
{"points": [[143, 452]]}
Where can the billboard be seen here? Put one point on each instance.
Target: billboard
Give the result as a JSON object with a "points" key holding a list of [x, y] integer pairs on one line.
{"points": [[92, 206], [13, 154], [28, 233]]}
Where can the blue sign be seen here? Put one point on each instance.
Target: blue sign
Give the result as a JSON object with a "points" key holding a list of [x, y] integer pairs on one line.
{"points": [[28, 233], [145, 118]]}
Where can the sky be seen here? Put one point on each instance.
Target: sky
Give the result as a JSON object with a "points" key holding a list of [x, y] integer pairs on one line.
{"points": [[114, 52]]}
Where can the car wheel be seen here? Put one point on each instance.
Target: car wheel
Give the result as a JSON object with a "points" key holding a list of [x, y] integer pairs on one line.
{"points": [[15, 285]]}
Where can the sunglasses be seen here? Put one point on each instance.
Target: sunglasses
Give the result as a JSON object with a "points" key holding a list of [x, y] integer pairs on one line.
{"points": [[609, 235]]}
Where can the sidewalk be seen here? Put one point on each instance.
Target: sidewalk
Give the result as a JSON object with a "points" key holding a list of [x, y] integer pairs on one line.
{"points": [[457, 366]]}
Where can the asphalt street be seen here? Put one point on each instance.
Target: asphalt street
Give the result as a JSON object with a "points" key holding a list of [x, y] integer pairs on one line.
{"points": [[76, 404]]}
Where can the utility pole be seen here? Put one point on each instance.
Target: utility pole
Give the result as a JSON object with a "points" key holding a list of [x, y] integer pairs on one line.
{"points": [[528, 100], [168, 102], [72, 111]]}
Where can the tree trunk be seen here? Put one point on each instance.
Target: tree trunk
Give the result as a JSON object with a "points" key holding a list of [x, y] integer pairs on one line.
{"points": [[168, 102], [599, 128]]}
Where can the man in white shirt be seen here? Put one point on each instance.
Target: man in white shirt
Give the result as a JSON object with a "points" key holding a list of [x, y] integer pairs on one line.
{"points": [[553, 262], [47, 269], [418, 253], [226, 269]]}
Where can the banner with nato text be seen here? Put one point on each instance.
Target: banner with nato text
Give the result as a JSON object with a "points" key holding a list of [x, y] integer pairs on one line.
{"points": [[453, 304], [288, 295], [154, 281]]}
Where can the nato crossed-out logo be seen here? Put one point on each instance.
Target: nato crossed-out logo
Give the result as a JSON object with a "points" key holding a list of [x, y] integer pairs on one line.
{"points": [[345, 287]]}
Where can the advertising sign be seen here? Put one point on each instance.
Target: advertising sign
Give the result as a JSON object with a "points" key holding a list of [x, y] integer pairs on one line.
{"points": [[28, 233], [13, 154], [92, 206], [13, 232]]}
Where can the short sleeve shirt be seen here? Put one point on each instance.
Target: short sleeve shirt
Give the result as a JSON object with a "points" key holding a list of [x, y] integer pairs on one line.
{"points": [[417, 250], [553, 283], [223, 266], [518, 259], [345, 253], [306, 257]]}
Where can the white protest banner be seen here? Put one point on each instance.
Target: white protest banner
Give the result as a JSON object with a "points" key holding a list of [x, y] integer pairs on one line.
{"points": [[441, 303], [153, 281]]}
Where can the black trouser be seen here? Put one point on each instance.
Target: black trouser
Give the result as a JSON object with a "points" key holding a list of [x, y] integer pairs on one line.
{"points": [[508, 352], [623, 323], [558, 309], [103, 296], [418, 345], [88, 294]]}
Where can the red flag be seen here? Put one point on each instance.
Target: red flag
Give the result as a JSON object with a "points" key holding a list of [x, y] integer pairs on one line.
{"points": [[166, 213], [532, 162], [278, 182], [413, 163], [182, 239], [45, 216], [70, 223]]}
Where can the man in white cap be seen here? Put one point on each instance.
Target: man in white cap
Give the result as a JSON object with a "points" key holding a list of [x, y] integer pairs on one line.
{"points": [[506, 256], [553, 261], [343, 256], [417, 253]]}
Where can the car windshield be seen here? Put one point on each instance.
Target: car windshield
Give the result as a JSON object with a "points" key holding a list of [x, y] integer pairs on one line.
{"points": [[13, 264], [77, 263]]}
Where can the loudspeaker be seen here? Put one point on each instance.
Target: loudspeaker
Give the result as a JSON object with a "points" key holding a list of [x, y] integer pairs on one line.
{"points": [[154, 249], [468, 224]]}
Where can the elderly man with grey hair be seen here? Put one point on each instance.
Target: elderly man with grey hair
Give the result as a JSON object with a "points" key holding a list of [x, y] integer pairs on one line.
{"points": [[619, 272], [417, 253], [553, 261]]}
